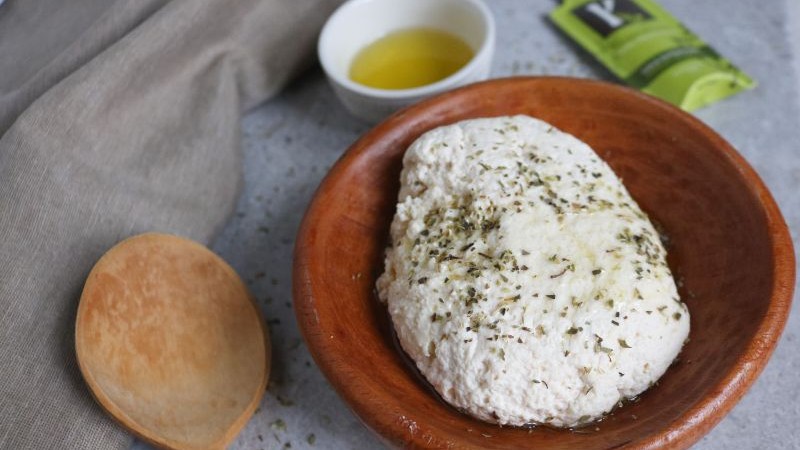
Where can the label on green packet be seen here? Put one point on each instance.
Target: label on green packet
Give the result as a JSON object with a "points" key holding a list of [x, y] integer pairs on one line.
{"points": [[646, 46]]}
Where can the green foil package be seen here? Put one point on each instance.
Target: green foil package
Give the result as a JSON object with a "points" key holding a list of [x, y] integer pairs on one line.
{"points": [[648, 48]]}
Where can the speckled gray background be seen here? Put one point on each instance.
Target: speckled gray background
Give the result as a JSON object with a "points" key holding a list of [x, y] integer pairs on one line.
{"points": [[290, 142]]}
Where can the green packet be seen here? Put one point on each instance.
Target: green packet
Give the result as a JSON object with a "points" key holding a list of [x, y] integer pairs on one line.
{"points": [[648, 48]]}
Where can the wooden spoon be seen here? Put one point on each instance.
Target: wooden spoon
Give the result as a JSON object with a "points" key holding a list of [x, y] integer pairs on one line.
{"points": [[171, 343]]}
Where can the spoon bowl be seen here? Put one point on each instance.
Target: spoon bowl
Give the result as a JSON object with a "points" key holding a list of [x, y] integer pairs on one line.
{"points": [[171, 343]]}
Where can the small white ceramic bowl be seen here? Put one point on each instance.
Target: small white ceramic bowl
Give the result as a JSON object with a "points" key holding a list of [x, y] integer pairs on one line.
{"points": [[358, 23]]}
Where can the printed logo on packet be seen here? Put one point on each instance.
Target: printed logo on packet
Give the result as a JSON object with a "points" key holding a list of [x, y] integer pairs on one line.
{"points": [[605, 16]]}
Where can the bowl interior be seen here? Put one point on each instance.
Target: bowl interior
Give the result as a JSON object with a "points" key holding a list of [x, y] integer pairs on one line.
{"points": [[729, 249]]}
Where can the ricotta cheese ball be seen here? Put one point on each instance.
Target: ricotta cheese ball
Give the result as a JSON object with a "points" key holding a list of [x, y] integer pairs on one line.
{"points": [[522, 278]]}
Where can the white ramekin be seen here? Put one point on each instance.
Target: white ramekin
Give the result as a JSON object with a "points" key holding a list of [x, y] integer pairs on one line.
{"points": [[358, 23]]}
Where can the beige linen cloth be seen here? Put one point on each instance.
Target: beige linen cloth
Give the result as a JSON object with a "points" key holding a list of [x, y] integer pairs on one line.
{"points": [[116, 117]]}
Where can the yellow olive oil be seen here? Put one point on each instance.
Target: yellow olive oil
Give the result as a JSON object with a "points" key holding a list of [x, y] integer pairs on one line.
{"points": [[410, 58]]}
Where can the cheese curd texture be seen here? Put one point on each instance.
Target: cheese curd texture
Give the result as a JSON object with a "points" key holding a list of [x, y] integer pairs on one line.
{"points": [[523, 279]]}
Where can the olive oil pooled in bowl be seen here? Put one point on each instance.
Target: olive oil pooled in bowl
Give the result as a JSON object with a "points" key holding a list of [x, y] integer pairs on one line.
{"points": [[410, 58]]}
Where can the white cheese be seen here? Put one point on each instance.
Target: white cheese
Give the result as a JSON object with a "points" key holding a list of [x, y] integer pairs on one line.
{"points": [[523, 279]]}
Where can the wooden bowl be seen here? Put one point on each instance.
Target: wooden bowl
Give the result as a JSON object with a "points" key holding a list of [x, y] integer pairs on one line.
{"points": [[729, 245]]}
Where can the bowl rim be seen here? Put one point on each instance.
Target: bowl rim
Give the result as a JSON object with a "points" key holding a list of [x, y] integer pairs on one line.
{"points": [[481, 56], [693, 423]]}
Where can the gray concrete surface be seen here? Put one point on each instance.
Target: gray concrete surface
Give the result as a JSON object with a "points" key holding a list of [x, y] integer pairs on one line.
{"points": [[289, 144]]}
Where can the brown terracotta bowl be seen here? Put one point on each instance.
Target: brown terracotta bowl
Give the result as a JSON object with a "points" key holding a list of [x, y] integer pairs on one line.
{"points": [[729, 245]]}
